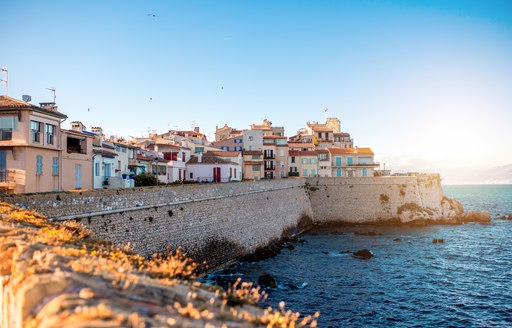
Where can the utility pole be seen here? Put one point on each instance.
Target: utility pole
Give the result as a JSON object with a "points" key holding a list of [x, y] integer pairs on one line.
{"points": [[6, 80]]}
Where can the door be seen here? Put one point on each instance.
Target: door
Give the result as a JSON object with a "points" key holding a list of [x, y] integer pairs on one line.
{"points": [[3, 165], [78, 176], [216, 174]]}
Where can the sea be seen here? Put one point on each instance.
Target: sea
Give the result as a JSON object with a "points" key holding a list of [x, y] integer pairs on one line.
{"points": [[466, 281]]}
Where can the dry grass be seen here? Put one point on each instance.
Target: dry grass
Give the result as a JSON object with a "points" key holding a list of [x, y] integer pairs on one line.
{"points": [[68, 247]]}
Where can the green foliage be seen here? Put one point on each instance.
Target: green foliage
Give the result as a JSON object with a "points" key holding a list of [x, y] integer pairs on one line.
{"points": [[145, 179]]}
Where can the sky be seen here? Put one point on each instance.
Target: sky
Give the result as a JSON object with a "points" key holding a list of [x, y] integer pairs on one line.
{"points": [[426, 84]]}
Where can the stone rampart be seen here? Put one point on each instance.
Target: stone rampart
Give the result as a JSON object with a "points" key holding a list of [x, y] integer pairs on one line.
{"points": [[223, 222]]}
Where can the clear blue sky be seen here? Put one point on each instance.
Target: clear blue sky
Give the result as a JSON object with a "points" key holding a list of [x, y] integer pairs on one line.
{"points": [[426, 84]]}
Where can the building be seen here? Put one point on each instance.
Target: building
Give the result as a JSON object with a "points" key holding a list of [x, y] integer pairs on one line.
{"points": [[225, 132], [304, 146], [30, 147], [275, 157], [252, 139], [324, 163], [232, 143], [268, 129], [352, 162], [233, 156], [213, 169], [77, 163], [253, 164], [303, 163]]}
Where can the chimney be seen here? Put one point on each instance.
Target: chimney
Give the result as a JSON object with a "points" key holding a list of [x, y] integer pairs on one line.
{"points": [[77, 126], [200, 157], [196, 129], [356, 149], [51, 106]]}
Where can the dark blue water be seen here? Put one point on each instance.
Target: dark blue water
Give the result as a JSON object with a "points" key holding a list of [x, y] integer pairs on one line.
{"points": [[464, 282]]}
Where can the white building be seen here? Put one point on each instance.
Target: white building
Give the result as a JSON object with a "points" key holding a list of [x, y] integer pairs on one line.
{"points": [[213, 169]]}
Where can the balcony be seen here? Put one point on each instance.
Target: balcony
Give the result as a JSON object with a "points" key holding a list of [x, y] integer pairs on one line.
{"points": [[362, 165], [270, 167], [293, 174], [269, 156], [9, 179]]}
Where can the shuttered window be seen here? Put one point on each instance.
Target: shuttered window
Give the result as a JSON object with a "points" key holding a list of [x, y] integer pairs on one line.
{"points": [[55, 166], [39, 164]]}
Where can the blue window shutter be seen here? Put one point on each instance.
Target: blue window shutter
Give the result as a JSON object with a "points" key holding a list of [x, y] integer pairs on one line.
{"points": [[39, 164], [55, 166]]}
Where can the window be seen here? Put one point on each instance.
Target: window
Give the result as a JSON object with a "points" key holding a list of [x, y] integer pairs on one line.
{"points": [[191, 175], [350, 161], [312, 161], [304, 161], [123, 150], [97, 169], [255, 156], [251, 138], [55, 165], [238, 148], [338, 173], [256, 167], [36, 131], [365, 172], [313, 172], [293, 159], [305, 173], [7, 124], [338, 161], [39, 165], [199, 149], [50, 134], [224, 147]]}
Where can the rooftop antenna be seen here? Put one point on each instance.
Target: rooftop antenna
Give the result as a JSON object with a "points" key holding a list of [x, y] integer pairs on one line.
{"points": [[193, 124], [6, 80], [52, 90]]}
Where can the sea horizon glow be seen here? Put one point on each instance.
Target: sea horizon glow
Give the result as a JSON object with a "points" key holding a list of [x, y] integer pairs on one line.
{"points": [[426, 85]]}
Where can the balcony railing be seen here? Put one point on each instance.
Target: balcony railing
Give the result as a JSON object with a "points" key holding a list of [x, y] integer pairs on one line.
{"points": [[269, 167], [358, 165], [269, 156], [293, 174]]}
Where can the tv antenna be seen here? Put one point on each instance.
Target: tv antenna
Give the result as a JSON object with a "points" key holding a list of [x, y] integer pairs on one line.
{"points": [[53, 90], [193, 124], [5, 80]]}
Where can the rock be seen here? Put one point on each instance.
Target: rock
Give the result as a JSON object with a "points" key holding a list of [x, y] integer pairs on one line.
{"points": [[325, 252], [267, 280], [290, 246], [474, 217], [509, 217], [437, 240], [363, 254], [292, 286], [397, 239], [345, 252], [302, 241], [372, 233], [336, 233]]}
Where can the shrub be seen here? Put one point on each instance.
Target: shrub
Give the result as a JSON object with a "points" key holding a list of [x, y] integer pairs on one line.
{"points": [[145, 179]]}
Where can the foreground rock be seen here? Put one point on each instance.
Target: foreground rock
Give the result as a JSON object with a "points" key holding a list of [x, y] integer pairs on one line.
{"points": [[363, 254], [267, 280], [54, 275]]}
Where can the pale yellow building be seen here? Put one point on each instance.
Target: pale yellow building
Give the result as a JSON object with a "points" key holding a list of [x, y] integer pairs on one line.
{"points": [[253, 165], [352, 162]]}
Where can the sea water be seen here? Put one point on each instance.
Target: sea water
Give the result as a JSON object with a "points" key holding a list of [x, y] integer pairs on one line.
{"points": [[464, 282]]}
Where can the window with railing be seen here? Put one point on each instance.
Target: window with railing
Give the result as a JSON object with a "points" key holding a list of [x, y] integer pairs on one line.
{"points": [[35, 127], [50, 134]]}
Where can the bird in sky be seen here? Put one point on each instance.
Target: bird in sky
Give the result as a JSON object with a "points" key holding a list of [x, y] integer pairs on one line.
{"points": [[153, 15], [88, 109], [150, 98]]}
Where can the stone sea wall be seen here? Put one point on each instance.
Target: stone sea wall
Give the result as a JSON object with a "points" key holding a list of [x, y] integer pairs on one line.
{"points": [[220, 223]]}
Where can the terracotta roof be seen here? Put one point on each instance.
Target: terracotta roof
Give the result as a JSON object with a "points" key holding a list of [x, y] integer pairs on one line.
{"points": [[7, 103], [274, 137], [322, 151], [300, 144], [302, 153], [150, 159], [253, 152], [103, 152], [221, 153], [260, 127], [341, 151], [342, 134], [320, 127], [209, 160]]}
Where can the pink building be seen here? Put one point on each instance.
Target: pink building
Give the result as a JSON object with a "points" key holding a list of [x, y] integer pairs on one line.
{"points": [[76, 159], [30, 147]]}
